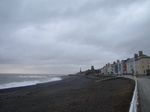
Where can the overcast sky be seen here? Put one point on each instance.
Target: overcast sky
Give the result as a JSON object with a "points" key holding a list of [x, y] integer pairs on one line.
{"points": [[60, 36]]}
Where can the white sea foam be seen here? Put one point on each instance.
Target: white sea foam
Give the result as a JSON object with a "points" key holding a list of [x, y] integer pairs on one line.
{"points": [[55, 79], [17, 84], [50, 80], [28, 83]]}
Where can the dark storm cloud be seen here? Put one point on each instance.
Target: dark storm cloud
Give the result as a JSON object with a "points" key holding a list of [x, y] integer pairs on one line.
{"points": [[46, 36]]}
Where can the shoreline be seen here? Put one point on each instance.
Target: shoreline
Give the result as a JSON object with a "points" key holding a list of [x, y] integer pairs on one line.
{"points": [[73, 93], [30, 83]]}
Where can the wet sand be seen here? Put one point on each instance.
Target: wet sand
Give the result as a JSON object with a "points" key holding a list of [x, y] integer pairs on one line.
{"points": [[73, 94]]}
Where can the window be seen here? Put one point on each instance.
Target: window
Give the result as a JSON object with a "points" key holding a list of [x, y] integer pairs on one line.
{"points": [[142, 66], [148, 66], [144, 71]]}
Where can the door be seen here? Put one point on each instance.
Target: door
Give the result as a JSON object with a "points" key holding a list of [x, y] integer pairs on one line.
{"points": [[148, 71]]}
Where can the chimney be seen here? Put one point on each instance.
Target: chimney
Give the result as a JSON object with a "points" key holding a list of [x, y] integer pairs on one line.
{"points": [[140, 53], [135, 55]]}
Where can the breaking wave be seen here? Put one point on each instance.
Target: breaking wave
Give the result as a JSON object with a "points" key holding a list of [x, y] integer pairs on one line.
{"points": [[28, 83]]}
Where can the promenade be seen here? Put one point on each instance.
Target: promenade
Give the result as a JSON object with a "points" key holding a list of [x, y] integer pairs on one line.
{"points": [[144, 93], [143, 84]]}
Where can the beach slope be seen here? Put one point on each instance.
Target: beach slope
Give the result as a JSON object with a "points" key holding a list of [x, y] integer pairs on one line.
{"points": [[73, 94]]}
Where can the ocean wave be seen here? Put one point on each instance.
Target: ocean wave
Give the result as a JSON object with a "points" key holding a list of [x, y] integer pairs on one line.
{"points": [[28, 83]]}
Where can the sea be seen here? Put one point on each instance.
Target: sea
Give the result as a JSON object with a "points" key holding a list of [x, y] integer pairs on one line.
{"points": [[19, 80]]}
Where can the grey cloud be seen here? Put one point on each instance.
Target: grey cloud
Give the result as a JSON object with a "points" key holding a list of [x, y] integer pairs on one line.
{"points": [[59, 36]]}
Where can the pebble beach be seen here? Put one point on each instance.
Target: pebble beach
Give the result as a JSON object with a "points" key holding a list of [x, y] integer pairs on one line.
{"points": [[72, 94]]}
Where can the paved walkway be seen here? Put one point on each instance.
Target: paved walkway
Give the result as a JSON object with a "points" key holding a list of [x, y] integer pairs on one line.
{"points": [[143, 83], [144, 93]]}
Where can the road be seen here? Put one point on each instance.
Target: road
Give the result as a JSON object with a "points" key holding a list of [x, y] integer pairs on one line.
{"points": [[144, 93]]}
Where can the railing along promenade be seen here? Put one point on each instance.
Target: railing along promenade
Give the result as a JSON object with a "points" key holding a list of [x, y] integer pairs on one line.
{"points": [[134, 102]]}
